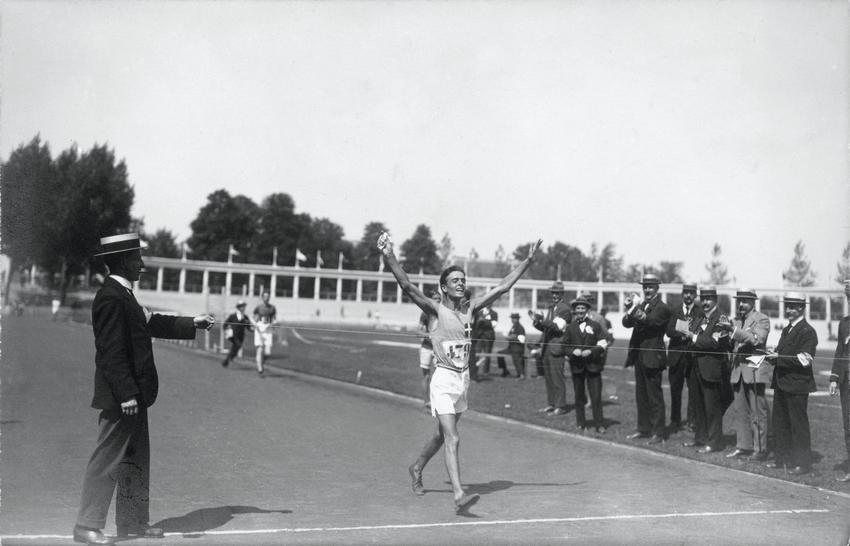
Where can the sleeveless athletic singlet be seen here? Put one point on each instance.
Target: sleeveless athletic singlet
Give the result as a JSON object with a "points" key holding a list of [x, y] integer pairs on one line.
{"points": [[450, 338]]}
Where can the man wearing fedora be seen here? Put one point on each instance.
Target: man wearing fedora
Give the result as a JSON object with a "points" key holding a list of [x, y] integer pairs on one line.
{"points": [[839, 379], [751, 374], [125, 386], [515, 348], [648, 317], [237, 323], [710, 343], [793, 380], [585, 344], [679, 357], [553, 325]]}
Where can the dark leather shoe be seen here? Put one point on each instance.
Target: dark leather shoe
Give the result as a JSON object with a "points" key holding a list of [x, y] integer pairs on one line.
{"points": [[637, 435], [142, 532], [692, 444], [738, 453], [91, 536], [558, 411], [656, 439], [774, 464], [799, 470], [707, 449], [758, 456]]}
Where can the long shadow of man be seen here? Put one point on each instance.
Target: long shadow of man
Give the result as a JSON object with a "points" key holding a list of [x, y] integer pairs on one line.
{"points": [[205, 519]]}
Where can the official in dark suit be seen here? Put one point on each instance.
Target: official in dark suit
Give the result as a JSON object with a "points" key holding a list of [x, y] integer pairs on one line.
{"points": [[584, 345], [679, 358], [710, 343], [751, 374], [237, 323], [553, 325], [648, 355], [515, 348], [839, 379], [125, 385], [793, 380]]}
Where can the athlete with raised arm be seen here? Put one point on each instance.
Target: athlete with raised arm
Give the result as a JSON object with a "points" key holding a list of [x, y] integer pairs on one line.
{"points": [[450, 328]]}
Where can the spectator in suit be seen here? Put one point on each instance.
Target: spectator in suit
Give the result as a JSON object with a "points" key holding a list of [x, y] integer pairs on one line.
{"points": [[793, 380], [584, 345], [237, 323], [515, 348], [679, 358], [710, 343], [649, 317], [751, 375], [484, 335], [125, 386], [553, 325], [839, 379]]}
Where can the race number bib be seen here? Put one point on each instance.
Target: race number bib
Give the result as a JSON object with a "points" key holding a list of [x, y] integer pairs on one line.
{"points": [[457, 351]]}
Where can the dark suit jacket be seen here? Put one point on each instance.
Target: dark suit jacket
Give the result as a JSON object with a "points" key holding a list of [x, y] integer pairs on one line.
{"points": [[575, 339], [239, 326], [552, 337], [678, 345], [841, 360], [646, 345], [124, 366], [789, 375], [711, 348]]}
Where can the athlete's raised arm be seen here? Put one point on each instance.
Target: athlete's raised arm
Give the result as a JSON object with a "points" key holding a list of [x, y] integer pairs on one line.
{"points": [[510, 279], [385, 245]]}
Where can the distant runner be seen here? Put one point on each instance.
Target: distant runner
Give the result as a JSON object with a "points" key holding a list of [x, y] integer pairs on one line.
{"points": [[265, 317]]}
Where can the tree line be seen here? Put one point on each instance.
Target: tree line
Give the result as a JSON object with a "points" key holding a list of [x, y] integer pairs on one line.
{"points": [[54, 210]]}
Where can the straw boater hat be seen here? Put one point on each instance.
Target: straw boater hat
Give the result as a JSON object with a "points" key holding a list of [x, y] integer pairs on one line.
{"points": [[710, 292], [514, 315], [241, 303], [125, 242], [794, 298], [689, 287], [557, 286], [748, 294], [649, 278]]}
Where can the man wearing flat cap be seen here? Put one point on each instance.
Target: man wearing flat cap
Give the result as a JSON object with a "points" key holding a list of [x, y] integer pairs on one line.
{"points": [[751, 374], [553, 326], [793, 380], [237, 323], [679, 357], [125, 385], [710, 343], [585, 345], [649, 317], [839, 379]]}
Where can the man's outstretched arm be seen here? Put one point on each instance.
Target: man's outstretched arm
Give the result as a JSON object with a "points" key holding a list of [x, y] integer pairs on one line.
{"points": [[510, 279], [385, 245]]}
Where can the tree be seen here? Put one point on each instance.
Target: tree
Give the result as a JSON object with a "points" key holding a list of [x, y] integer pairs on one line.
{"points": [[717, 271], [843, 267], [25, 181], [670, 272], [799, 272], [280, 226], [222, 222], [606, 261], [93, 199], [326, 237], [420, 251], [366, 253], [445, 251], [163, 244], [569, 261]]}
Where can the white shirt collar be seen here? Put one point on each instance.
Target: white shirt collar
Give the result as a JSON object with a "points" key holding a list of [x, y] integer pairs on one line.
{"points": [[122, 281], [796, 321]]}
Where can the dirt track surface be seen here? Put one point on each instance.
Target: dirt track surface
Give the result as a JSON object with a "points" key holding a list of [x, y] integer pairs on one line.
{"points": [[292, 459]]}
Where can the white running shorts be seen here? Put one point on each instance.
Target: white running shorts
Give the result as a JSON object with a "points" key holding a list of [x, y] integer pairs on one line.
{"points": [[448, 391]]}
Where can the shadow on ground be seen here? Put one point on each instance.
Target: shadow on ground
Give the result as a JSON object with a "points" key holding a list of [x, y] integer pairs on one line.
{"points": [[205, 519]]}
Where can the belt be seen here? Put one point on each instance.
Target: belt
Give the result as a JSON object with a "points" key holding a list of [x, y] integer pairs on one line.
{"points": [[452, 368]]}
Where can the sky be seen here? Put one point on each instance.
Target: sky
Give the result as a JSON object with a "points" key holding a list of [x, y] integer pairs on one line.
{"points": [[663, 127]]}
